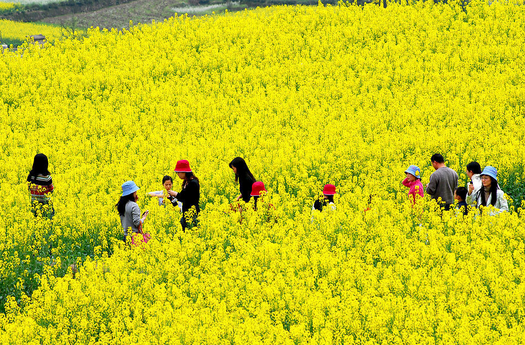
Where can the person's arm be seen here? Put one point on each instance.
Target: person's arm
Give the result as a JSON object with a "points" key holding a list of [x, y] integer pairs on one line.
{"points": [[502, 201], [431, 186], [472, 200], [135, 215], [406, 183], [470, 188], [156, 194]]}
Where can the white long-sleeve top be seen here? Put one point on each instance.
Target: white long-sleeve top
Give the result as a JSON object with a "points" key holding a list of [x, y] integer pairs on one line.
{"points": [[501, 203]]}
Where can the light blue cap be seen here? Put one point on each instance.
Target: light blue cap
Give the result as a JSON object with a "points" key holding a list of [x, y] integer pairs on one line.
{"points": [[490, 171], [129, 187], [414, 170]]}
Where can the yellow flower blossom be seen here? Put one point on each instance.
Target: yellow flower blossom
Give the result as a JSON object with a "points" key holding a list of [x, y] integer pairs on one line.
{"points": [[342, 94]]}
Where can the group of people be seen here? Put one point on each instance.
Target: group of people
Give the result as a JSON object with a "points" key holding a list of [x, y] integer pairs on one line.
{"points": [[483, 188], [187, 200]]}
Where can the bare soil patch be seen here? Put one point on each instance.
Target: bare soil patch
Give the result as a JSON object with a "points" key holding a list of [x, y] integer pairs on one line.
{"points": [[138, 11]]}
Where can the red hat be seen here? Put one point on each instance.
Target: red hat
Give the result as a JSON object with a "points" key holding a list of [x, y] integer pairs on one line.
{"points": [[257, 188], [183, 166], [329, 189]]}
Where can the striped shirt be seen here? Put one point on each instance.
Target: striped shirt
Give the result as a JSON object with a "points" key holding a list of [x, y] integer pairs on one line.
{"points": [[40, 188]]}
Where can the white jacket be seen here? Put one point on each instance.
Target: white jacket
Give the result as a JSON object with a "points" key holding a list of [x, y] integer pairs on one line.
{"points": [[501, 203]]}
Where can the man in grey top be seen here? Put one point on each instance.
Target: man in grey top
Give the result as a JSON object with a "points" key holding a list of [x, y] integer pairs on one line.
{"points": [[442, 183]]}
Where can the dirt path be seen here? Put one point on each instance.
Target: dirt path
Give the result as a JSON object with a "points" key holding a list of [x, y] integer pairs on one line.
{"points": [[139, 11]]}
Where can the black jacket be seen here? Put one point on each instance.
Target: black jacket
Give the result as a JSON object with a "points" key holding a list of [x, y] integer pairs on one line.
{"points": [[190, 196], [246, 188]]}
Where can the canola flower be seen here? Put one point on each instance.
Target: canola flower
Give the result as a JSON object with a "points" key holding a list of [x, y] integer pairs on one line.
{"points": [[31, 2], [344, 95], [7, 6], [21, 31]]}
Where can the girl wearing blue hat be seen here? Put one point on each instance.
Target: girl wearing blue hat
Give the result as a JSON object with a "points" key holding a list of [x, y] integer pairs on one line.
{"points": [[413, 181], [490, 194], [129, 210]]}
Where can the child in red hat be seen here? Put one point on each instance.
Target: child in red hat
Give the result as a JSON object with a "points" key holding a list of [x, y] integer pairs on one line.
{"points": [[328, 198]]}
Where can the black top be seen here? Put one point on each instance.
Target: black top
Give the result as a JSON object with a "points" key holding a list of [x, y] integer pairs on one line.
{"points": [[318, 204], [246, 188], [463, 204], [190, 195]]}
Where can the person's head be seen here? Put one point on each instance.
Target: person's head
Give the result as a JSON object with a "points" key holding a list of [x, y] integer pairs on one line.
{"points": [[186, 176], [129, 193], [489, 176], [167, 182], [184, 171], [240, 168], [40, 165], [437, 161], [413, 173], [489, 179], [329, 192], [473, 168], [460, 194]]}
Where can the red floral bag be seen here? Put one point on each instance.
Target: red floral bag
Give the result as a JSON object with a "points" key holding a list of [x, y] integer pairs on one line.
{"points": [[140, 237]]}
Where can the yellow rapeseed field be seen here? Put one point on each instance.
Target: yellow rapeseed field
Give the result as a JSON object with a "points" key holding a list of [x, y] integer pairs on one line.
{"points": [[7, 6], [307, 95], [11, 30]]}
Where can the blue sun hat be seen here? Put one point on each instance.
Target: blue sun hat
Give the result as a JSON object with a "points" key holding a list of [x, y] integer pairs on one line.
{"points": [[490, 171], [414, 170], [129, 187]]}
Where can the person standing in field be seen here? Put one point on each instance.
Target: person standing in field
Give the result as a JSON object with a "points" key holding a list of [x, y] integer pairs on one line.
{"points": [[474, 174], [491, 194], [244, 176], [460, 195], [413, 182], [41, 187], [328, 198], [189, 195], [129, 210], [167, 183], [443, 182]]}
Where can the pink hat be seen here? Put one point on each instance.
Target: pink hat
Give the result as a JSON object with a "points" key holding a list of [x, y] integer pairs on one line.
{"points": [[183, 166], [257, 188], [329, 189]]}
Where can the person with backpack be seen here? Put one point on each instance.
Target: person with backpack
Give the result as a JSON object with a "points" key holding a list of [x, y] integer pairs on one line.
{"points": [[41, 187], [244, 177]]}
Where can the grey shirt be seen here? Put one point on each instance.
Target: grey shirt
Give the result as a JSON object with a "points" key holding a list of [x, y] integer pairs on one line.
{"points": [[442, 184], [131, 218]]}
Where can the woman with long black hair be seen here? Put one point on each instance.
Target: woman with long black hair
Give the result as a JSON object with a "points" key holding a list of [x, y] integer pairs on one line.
{"points": [[129, 210], [490, 194], [244, 176], [41, 187], [189, 194]]}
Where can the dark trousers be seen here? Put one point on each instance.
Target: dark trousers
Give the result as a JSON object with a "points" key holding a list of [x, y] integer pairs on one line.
{"points": [[185, 224]]}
